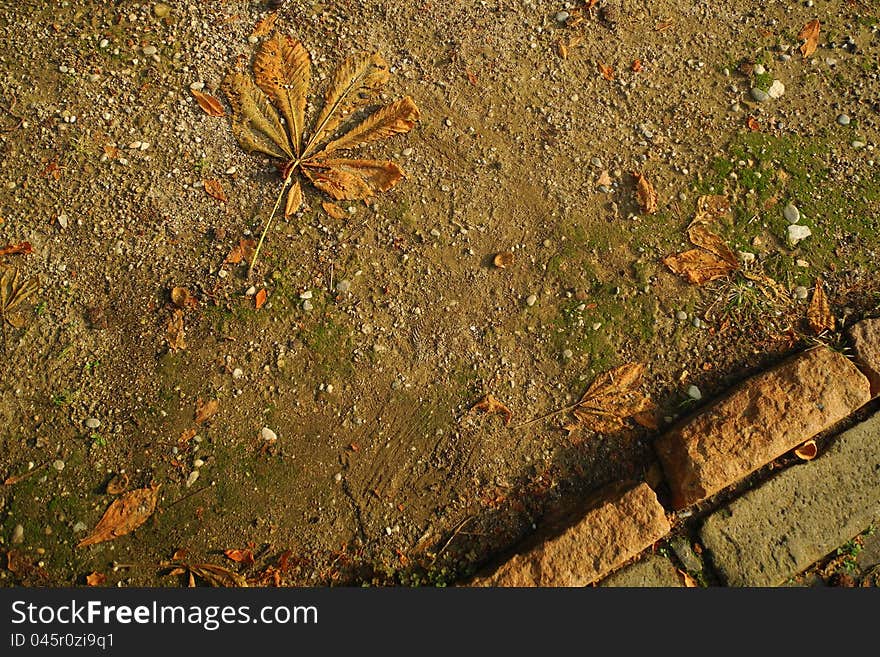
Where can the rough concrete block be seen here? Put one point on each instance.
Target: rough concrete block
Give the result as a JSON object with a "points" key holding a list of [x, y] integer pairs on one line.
{"points": [[801, 515]]}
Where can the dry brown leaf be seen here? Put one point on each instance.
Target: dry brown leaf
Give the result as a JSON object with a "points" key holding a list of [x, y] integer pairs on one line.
{"points": [[606, 71], [215, 189], [187, 435], [118, 484], [112, 152], [260, 298], [124, 515], [687, 580], [207, 102], [206, 409], [174, 334], [698, 266], [333, 210], [488, 404], [397, 118], [753, 124], [183, 298], [701, 236], [22, 248], [14, 291], [810, 36], [241, 252], [265, 24], [646, 195], [217, 575], [95, 579], [294, 199], [807, 451], [503, 259], [612, 398], [256, 123], [819, 315], [604, 179], [711, 208], [240, 556], [636, 66], [562, 48]]}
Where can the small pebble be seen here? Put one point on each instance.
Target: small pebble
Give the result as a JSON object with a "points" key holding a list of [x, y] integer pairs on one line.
{"points": [[62, 220], [801, 293], [80, 526], [697, 322], [435, 232], [193, 476], [103, 43], [759, 69], [93, 423], [776, 90], [407, 152], [858, 144], [17, 535], [843, 119], [251, 291], [197, 86], [760, 95], [306, 295], [798, 233], [681, 315], [58, 465], [161, 10], [337, 477], [307, 305], [562, 16], [531, 299], [791, 213], [268, 435], [343, 286], [567, 354], [150, 50], [694, 393], [237, 373], [252, 39], [198, 463]]}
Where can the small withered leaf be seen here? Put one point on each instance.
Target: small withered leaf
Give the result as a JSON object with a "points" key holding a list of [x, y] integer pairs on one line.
{"points": [[14, 290], [265, 24], [206, 409], [503, 259], [260, 298], [215, 189], [183, 298], [612, 398], [217, 575], [240, 556], [606, 71], [124, 515], [488, 404], [698, 266], [810, 36], [174, 331], [95, 579], [22, 248], [209, 104], [701, 236], [819, 315], [240, 252], [118, 484], [333, 210], [807, 451], [645, 193]]}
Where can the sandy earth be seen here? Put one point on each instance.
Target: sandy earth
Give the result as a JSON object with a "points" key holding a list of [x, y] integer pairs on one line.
{"points": [[380, 474]]}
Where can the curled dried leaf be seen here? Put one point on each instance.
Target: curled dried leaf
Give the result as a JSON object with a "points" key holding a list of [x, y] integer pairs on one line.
{"points": [[352, 180], [215, 189], [810, 36], [95, 579], [488, 404], [645, 193], [807, 451], [174, 331], [698, 266], [503, 259], [124, 515], [217, 575], [22, 248], [819, 315], [14, 291], [753, 124], [118, 484], [612, 398], [294, 199], [606, 71], [241, 252], [183, 298], [260, 298], [209, 104], [206, 409], [240, 556]]}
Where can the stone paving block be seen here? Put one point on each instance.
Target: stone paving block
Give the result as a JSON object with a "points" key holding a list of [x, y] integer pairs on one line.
{"points": [[801, 515], [865, 337], [651, 571], [584, 546], [757, 421]]}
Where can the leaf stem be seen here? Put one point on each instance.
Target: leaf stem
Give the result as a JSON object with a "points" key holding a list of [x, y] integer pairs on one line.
{"points": [[546, 416], [271, 216]]}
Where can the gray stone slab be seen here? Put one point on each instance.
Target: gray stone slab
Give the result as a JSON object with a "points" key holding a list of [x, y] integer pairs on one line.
{"points": [[801, 515], [651, 571]]}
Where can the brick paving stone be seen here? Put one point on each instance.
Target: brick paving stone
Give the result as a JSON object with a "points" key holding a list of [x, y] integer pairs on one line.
{"points": [[801, 515], [757, 421], [865, 337], [582, 547]]}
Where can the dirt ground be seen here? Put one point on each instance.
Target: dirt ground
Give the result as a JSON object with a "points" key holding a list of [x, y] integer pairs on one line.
{"points": [[382, 328]]}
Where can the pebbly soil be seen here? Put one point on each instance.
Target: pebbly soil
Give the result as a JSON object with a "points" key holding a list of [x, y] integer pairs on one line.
{"points": [[380, 474]]}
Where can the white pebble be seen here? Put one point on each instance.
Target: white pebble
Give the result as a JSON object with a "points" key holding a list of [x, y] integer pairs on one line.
{"points": [[694, 393], [193, 476], [93, 423], [268, 435], [531, 300]]}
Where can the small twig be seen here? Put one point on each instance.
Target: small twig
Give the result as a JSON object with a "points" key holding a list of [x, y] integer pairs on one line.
{"points": [[16, 478], [455, 532], [187, 496]]}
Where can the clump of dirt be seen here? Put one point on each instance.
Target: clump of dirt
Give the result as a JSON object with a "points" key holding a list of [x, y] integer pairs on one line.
{"points": [[342, 448]]}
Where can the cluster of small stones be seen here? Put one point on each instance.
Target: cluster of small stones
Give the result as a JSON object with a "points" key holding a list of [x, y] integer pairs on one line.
{"points": [[756, 422]]}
